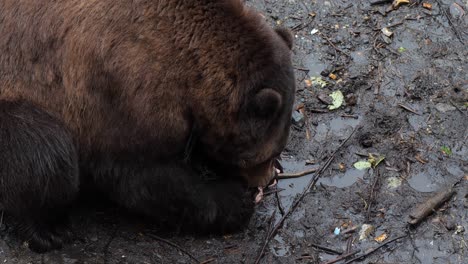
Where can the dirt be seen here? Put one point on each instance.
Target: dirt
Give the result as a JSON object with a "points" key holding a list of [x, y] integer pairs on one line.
{"points": [[406, 96]]}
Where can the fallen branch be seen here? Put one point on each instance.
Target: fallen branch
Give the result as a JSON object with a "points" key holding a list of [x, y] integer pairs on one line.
{"points": [[160, 239], [296, 203], [365, 255], [296, 175], [431, 204]]}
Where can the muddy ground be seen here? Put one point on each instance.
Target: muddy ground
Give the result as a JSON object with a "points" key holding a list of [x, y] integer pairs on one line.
{"points": [[406, 99]]}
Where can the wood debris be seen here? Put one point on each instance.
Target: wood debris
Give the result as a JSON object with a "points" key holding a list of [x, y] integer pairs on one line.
{"points": [[426, 208]]}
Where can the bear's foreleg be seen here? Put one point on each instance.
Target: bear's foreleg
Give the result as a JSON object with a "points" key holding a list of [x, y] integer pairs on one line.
{"points": [[38, 173], [174, 194]]}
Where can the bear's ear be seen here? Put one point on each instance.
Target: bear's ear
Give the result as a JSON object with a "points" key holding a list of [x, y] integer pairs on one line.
{"points": [[267, 102], [286, 35]]}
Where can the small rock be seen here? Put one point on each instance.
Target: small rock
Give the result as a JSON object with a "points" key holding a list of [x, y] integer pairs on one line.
{"points": [[348, 110], [449, 224], [365, 231], [387, 32], [298, 118], [366, 140], [456, 11], [386, 39], [441, 107], [460, 229], [351, 99], [327, 71], [324, 98]]}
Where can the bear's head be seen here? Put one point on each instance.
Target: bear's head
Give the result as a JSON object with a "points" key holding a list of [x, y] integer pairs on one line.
{"points": [[247, 96]]}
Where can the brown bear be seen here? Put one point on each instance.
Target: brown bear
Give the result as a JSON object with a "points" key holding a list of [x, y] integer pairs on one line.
{"points": [[146, 94]]}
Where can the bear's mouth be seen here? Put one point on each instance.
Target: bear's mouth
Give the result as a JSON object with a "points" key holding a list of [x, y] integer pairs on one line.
{"points": [[262, 174]]}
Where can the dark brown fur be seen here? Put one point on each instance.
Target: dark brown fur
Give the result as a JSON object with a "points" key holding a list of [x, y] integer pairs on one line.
{"points": [[133, 80]]}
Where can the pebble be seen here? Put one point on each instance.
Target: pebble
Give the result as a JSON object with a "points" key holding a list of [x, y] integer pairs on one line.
{"points": [[324, 98], [449, 224], [441, 107], [298, 118], [456, 11], [351, 99]]}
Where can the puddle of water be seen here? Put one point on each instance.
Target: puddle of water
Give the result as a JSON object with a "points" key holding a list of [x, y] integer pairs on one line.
{"points": [[280, 249], [295, 186], [424, 181], [360, 57], [343, 180], [417, 122], [337, 128], [339, 124], [292, 187], [315, 66]]}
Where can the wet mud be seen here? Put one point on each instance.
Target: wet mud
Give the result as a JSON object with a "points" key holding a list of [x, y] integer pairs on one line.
{"points": [[405, 95]]}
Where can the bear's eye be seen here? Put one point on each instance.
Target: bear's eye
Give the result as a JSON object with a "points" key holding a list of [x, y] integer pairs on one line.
{"points": [[266, 103]]}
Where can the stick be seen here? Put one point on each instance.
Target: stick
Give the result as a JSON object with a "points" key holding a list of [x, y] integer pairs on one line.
{"points": [[311, 183], [426, 208], [160, 239], [330, 250], [350, 116], [457, 34], [379, 2], [333, 45], [342, 257], [456, 106], [372, 195], [278, 201], [270, 227], [375, 249], [297, 174], [407, 108]]}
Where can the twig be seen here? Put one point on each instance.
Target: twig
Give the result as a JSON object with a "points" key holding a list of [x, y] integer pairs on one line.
{"points": [[456, 106], [330, 250], [426, 208], [347, 231], [315, 110], [375, 249], [333, 45], [457, 34], [311, 183], [297, 174], [350, 116], [278, 201], [301, 69], [342, 257], [160, 239], [372, 195], [379, 82], [302, 25], [277, 190], [107, 245], [407, 108], [379, 2], [270, 228], [208, 261]]}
